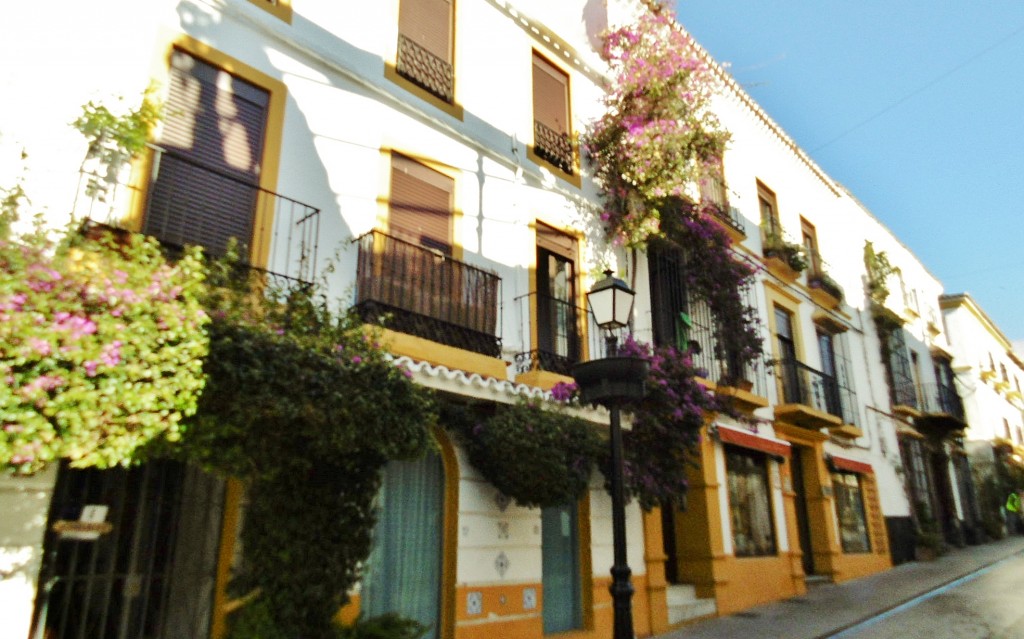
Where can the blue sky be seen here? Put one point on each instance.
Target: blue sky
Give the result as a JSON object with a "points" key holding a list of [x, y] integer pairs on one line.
{"points": [[917, 107]]}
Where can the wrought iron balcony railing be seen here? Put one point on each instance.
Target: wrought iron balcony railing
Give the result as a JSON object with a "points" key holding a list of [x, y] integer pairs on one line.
{"points": [[807, 386], [818, 277], [552, 329], [904, 393], [941, 399], [187, 204], [425, 70], [553, 146], [422, 292], [714, 199]]}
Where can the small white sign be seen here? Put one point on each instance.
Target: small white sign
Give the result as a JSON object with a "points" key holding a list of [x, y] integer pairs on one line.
{"points": [[91, 523]]}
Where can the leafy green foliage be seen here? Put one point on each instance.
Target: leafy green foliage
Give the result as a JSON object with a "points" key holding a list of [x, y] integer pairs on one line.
{"points": [[114, 139], [101, 349], [879, 269], [386, 626], [304, 406], [532, 451], [656, 143]]}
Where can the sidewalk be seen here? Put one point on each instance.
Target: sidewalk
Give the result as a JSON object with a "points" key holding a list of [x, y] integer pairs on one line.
{"points": [[830, 608]]}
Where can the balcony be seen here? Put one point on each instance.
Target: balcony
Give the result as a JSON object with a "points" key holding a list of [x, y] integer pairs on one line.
{"points": [[904, 398], [825, 291], [785, 259], [188, 204], [694, 331], [553, 329], [425, 293], [425, 70], [715, 202], [811, 398], [941, 411], [554, 147]]}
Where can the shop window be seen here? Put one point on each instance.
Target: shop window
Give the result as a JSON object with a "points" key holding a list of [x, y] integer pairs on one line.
{"points": [[849, 500], [750, 509]]}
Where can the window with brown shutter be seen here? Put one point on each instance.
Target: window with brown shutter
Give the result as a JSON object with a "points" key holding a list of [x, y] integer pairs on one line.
{"points": [[420, 208], [207, 179], [425, 45], [551, 131]]}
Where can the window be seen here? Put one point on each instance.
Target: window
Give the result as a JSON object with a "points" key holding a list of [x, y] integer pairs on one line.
{"points": [[425, 46], [669, 304], [849, 500], [912, 453], [420, 208], [558, 334], [769, 210], [810, 242], [1006, 428], [208, 173], [404, 572], [787, 356], [901, 377], [830, 378], [561, 579], [712, 186], [753, 530], [551, 130]]}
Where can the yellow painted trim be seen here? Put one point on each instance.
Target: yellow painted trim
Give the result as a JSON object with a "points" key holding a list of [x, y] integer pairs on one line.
{"points": [[796, 435], [823, 298], [445, 169], [438, 354], [453, 109], [780, 269], [744, 400], [272, 138], [654, 560], [450, 532], [847, 431], [542, 379], [785, 297], [225, 556], [281, 9], [829, 323]]}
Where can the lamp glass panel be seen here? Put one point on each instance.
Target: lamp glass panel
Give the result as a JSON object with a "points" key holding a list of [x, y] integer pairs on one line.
{"points": [[623, 307], [602, 305]]}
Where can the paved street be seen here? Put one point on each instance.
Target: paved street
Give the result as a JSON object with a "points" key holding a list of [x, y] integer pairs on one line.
{"points": [[985, 605], [826, 611]]}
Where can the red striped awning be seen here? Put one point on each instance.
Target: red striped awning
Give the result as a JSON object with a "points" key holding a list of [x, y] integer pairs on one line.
{"points": [[753, 442], [849, 465]]}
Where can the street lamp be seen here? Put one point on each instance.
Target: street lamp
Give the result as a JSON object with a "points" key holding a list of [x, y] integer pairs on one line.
{"points": [[612, 382]]}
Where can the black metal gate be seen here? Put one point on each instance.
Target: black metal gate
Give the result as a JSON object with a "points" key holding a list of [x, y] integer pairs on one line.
{"points": [[130, 554]]}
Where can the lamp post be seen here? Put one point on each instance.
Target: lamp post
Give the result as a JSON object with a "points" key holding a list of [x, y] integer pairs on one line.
{"points": [[612, 382]]}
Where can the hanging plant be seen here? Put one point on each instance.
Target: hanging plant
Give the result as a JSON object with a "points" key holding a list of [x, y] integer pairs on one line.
{"points": [[661, 441], [656, 142], [666, 427], [658, 137], [532, 451]]}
